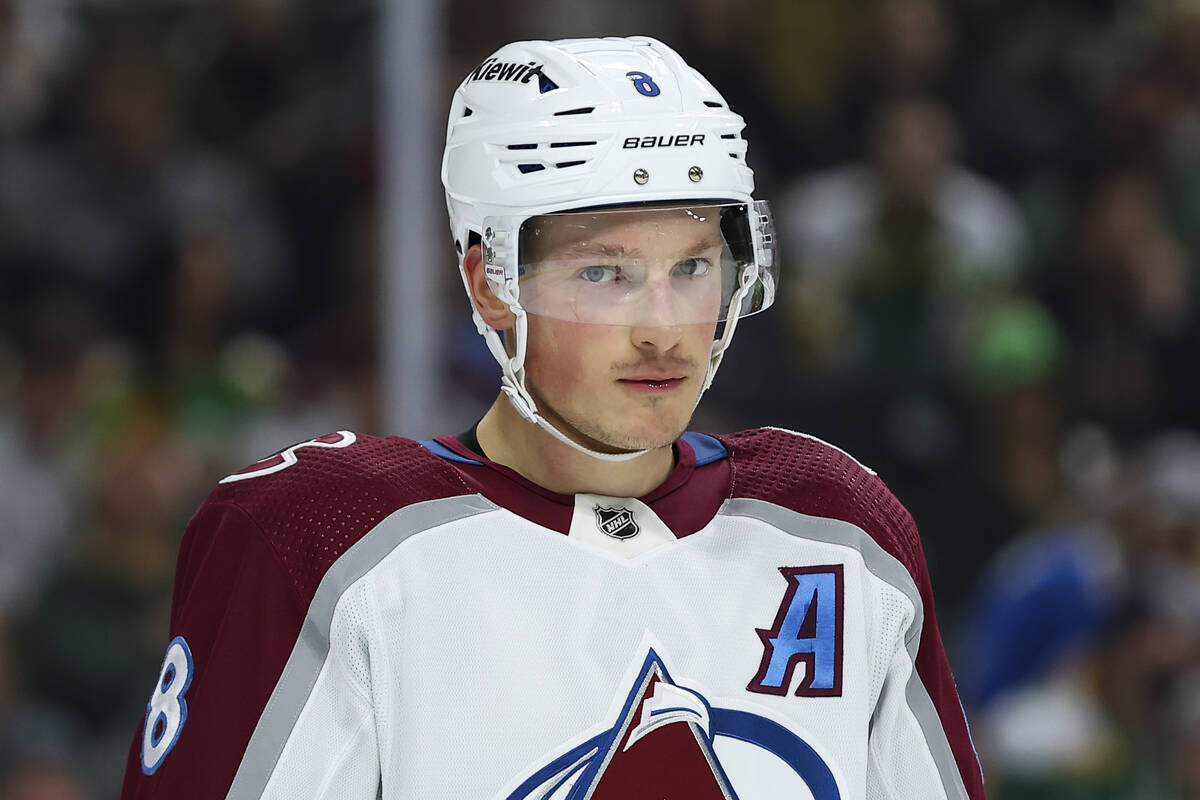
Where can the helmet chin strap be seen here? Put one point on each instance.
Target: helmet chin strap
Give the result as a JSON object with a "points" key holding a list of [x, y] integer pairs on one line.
{"points": [[512, 380], [732, 314]]}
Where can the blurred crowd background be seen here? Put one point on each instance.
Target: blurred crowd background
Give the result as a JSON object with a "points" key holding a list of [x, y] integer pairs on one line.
{"points": [[990, 215]]}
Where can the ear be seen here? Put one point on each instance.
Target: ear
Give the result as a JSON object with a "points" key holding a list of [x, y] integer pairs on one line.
{"points": [[495, 312]]}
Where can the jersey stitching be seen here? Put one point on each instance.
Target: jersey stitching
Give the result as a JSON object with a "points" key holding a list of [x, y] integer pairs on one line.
{"points": [[266, 540], [733, 466], [819, 440], [873, 760], [342, 757], [262, 532], [441, 465], [925, 734], [363, 692]]}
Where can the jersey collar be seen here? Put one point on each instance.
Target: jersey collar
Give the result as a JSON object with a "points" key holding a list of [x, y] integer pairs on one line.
{"points": [[686, 500]]}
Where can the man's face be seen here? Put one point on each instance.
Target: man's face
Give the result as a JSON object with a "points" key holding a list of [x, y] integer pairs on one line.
{"points": [[632, 384]]}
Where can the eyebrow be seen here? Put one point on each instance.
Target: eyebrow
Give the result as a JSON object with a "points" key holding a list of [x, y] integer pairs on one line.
{"points": [[618, 250]]}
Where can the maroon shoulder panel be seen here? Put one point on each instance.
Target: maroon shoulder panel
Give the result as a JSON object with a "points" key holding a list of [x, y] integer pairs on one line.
{"points": [[315, 509], [249, 565], [815, 478]]}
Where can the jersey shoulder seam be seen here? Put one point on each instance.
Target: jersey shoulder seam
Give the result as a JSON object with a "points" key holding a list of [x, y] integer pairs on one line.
{"points": [[266, 540], [386, 479], [821, 441]]}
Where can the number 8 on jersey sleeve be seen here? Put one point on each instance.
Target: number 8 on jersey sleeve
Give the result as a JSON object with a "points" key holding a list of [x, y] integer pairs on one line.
{"points": [[166, 712]]}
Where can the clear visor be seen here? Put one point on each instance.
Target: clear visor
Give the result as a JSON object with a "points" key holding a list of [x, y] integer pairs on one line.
{"points": [[662, 265]]}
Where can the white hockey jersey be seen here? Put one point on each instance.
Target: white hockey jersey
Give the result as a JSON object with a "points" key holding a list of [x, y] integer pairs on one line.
{"points": [[358, 618]]}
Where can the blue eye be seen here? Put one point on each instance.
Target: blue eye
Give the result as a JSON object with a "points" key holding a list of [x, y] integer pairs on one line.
{"points": [[599, 274], [693, 267]]}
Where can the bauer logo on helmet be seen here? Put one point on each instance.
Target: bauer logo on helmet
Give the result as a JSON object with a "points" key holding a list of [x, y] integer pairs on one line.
{"points": [[682, 140]]}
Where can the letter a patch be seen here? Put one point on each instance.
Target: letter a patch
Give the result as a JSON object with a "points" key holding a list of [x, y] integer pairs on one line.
{"points": [[808, 631]]}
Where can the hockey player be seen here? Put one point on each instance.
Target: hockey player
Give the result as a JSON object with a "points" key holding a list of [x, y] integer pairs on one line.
{"points": [[576, 599]]}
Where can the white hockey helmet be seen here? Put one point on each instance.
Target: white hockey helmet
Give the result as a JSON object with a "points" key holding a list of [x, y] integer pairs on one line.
{"points": [[544, 127]]}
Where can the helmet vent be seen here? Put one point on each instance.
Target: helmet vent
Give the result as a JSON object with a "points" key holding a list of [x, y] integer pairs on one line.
{"points": [[522, 147], [713, 104], [728, 135], [562, 164], [569, 144], [569, 112], [467, 112], [528, 168]]}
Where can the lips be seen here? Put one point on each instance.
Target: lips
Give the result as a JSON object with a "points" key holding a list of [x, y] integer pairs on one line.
{"points": [[654, 378], [653, 385]]}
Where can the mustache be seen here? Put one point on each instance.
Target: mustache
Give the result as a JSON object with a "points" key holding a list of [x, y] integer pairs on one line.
{"points": [[657, 364]]}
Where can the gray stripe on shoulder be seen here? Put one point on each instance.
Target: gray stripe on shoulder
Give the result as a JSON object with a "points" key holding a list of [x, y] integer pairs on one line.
{"points": [[887, 568], [308, 656]]}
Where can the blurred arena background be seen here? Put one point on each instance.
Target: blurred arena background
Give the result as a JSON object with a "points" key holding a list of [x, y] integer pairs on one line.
{"points": [[221, 232]]}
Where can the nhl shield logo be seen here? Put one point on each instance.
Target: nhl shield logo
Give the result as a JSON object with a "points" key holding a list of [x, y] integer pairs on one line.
{"points": [[616, 522]]}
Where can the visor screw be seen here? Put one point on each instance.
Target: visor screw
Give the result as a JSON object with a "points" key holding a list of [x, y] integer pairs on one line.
{"points": [[640, 176], [695, 173], [488, 233], [489, 255]]}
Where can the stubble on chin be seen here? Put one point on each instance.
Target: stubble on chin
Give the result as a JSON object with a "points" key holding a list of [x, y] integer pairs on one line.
{"points": [[615, 433]]}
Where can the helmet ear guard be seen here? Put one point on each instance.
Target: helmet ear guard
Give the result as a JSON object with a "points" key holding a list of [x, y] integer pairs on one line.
{"points": [[544, 128]]}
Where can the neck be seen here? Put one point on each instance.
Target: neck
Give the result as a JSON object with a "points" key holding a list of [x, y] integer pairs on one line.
{"points": [[529, 450]]}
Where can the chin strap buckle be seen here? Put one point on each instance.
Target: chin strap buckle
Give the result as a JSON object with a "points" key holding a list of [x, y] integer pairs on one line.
{"points": [[523, 406]]}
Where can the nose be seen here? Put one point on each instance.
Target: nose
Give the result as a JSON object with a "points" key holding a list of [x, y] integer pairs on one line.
{"points": [[660, 338], [658, 327]]}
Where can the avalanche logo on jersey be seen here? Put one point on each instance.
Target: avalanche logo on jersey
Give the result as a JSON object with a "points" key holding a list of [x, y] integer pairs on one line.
{"points": [[670, 743]]}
